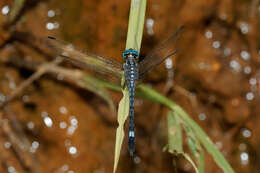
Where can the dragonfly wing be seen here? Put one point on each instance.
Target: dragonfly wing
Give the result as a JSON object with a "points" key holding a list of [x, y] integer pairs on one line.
{"points": [[103, 67], [165, 50]]}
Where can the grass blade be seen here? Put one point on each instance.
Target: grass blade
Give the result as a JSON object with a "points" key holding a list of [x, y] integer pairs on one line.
{"points": [[94, 85], [174, 133], [200, 134], [122, 116], [136, 24], [201, 162], [195, 147], [15, 10], [134, 38], [187, 157]]}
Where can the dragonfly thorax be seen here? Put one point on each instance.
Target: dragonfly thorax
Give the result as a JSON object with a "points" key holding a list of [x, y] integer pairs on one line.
{"points": [[131, 57], [131, 70]]}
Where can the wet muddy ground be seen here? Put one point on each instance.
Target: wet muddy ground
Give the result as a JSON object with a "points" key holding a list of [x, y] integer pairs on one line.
{"points": [[56, 126]]}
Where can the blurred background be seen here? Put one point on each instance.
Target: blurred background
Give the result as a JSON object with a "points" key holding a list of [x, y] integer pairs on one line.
{"points": [[54, 125]]}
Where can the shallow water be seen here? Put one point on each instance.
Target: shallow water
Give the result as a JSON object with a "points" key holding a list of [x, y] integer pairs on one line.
{"points": [[56, 127]]}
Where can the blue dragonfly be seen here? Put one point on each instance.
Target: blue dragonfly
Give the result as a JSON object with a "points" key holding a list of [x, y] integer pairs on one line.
{"points": [[134, 68]]}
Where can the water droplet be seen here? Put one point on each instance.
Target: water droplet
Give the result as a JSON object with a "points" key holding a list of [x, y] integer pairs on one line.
{"points": [[250, 96], [50, 26], [244, 158], [202, 116], [11, 169], [73, 121], [63, 125], [245, 55], [149, 26], [137, 160], [2, 97], [219, 145], [5, 10], [51, 13], [63, 110], [216, 44], [35, 144], [48, 121], [208, 34], [246, 133], [247, 70], [235, 65], [65, 167], [252, 81], [71, 129], [30, 125], [72, 150], [244, 27], [7, 144], [168, 63], [227, 51]]}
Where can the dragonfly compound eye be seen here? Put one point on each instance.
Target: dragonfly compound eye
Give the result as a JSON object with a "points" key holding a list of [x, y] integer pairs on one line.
{"points": [[124, 54], [132, 52], [135, 54]]}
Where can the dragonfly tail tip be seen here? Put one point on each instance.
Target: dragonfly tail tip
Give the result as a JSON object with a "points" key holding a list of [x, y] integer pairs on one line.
{"points": [[131, 153]]}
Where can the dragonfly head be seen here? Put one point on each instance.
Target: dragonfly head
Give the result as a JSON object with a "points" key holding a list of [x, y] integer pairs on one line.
{"points": [[132, 52]]}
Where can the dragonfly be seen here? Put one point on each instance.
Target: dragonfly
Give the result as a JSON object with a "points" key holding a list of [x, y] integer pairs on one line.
{"points": [[133, 69]]}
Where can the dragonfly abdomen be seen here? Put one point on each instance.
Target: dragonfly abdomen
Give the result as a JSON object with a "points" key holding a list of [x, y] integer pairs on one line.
{"points": [[131, 75], [131, 131]]}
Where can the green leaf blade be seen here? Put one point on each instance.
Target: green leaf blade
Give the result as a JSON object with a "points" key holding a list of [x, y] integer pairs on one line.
{"points": [[174, 133], [121, 118], [134, 39]]}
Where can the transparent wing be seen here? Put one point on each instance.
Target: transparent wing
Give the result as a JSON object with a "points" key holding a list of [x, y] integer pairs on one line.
{"points": [[159, 54], [105, 68]]}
